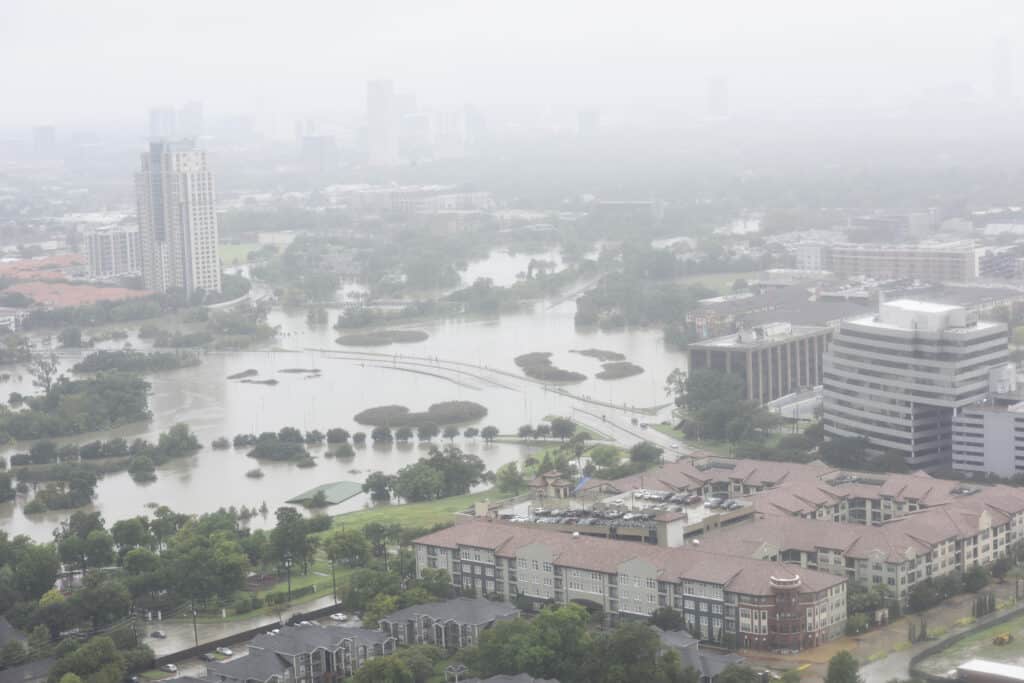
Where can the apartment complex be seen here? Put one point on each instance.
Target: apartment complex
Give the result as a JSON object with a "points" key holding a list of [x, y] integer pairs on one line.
{"points": [[452, 624], [177, 219], [932, 261], [731, 600], [900, 376], [974, 530], [303, 654], [111, 251], [773, 360]]}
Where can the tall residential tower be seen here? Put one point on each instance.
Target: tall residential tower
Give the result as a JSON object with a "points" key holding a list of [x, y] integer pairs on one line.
{"points": [[177, 219]]}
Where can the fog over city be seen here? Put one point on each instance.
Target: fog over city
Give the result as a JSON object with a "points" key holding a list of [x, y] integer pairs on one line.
{"points": [[511, 342]]}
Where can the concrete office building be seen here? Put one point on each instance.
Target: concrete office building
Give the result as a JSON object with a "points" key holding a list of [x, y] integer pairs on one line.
{"points": [[934, 261], [112, 251], [177, 219], [381, 123], [987, 436], [900, 376], [773, 360]]}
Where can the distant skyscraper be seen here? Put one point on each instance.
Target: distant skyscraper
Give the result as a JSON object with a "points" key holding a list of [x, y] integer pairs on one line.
{"points": [[163, 123], [382, 123], [190, 120], [1002, 72], [177, 218], [718, 98], [44, 140]]}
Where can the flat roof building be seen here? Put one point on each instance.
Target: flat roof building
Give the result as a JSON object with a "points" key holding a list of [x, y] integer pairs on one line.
{"points": [[773, 359]]}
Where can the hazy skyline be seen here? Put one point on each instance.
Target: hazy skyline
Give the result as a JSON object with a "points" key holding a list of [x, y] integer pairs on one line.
{"points": [[110, 60]]}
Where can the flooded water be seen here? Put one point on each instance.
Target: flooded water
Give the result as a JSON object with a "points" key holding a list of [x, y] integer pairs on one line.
{"points": [[505, 268], [462, 360]]}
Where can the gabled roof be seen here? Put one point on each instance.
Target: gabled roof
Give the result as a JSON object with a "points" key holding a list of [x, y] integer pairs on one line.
{"points": [[293, 640], [258, 665], [476, 611], [600, 554]]}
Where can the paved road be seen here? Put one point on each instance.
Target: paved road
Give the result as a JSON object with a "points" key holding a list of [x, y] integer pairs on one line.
{"points": [[623, 431], [180, 635]]}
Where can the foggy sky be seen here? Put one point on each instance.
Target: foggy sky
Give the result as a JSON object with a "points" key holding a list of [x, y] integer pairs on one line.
{"points": [[75, 61]]}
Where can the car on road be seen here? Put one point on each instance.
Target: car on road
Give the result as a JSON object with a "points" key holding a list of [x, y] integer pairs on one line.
{"points": [[675, 445], [225, 651], [208, 657], [169, 668], [338, 616], [158, 634]]}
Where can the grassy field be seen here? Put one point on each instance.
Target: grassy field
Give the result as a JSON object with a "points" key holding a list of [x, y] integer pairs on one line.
{"points": [[980, 645], [413, 515], [720, 282], [235, 254]]}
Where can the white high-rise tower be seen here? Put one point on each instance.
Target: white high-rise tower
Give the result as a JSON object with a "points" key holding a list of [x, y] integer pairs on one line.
{"points": [[177, 219]]}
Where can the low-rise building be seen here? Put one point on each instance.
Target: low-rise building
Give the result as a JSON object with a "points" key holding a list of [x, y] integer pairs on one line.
{"points": [[303, 654], [450, 625], [772, 360], [729, 600]]}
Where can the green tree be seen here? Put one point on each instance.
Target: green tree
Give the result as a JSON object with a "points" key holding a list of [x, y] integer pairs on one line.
{"points": [[508, 478], [645, 453], [380, 606], [13, 654], [489, 433], [738, 673], [35, 569], [843, 668], [348, 548], [418, 482], [403, 434], [667, 619], [562, 428], [389, 669], [451, 432], [427, 431], [379, 485]]}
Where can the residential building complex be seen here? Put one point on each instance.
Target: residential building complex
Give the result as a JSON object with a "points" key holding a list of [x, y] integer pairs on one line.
{"points": [[303, 654], [112, 251], [934, 261], [453, 624], [177, 219], [900, 376], [773, 360], [730, 600]]}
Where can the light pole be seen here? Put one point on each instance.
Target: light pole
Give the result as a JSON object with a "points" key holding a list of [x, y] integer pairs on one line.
{"points": [[288, 568], [195, 626], [334, 582], [455, 670]]}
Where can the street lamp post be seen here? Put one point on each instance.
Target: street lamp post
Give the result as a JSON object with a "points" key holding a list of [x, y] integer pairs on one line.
{"points": [[288, 568], [334, 582]]}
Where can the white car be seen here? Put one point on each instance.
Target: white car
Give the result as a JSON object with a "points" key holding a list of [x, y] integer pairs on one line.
{"points": [[338, 616], [169, 668], [675, 445], [225, 651]]}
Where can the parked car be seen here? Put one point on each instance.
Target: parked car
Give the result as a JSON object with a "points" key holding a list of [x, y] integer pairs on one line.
{"points": [[226, 651], [169, 668], [158, 634], [338, 616], [208, 657]]}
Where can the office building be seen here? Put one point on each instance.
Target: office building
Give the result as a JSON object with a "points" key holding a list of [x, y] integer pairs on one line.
{"points": [[177, 218], [900, 376], [931, 261], [163, 123], [725, 599], [382, 123], [112, 251], [773, 360]]}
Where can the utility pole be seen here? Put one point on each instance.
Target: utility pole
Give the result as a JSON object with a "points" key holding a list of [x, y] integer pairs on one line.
{"points": [[288, 568], [195, 626]]}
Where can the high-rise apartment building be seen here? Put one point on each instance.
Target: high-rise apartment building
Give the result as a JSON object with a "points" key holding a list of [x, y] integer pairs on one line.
{"points": [[177, 218], [112, 251], [382, 123], [899, 377]]}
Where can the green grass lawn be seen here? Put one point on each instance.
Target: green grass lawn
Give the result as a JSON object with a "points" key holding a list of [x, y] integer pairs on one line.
{"points": [[980, 645], [235, 254], [413, 515]]}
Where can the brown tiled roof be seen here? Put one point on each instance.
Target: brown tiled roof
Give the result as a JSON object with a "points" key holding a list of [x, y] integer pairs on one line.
{"points": [[598, 554]]}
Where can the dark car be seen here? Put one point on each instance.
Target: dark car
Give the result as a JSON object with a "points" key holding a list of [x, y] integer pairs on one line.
{"points": [[207, 657], [158, 634]]}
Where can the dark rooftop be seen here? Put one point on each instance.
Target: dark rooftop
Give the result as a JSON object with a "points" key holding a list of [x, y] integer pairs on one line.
{"points": [[258, 665], [462, 610]]}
